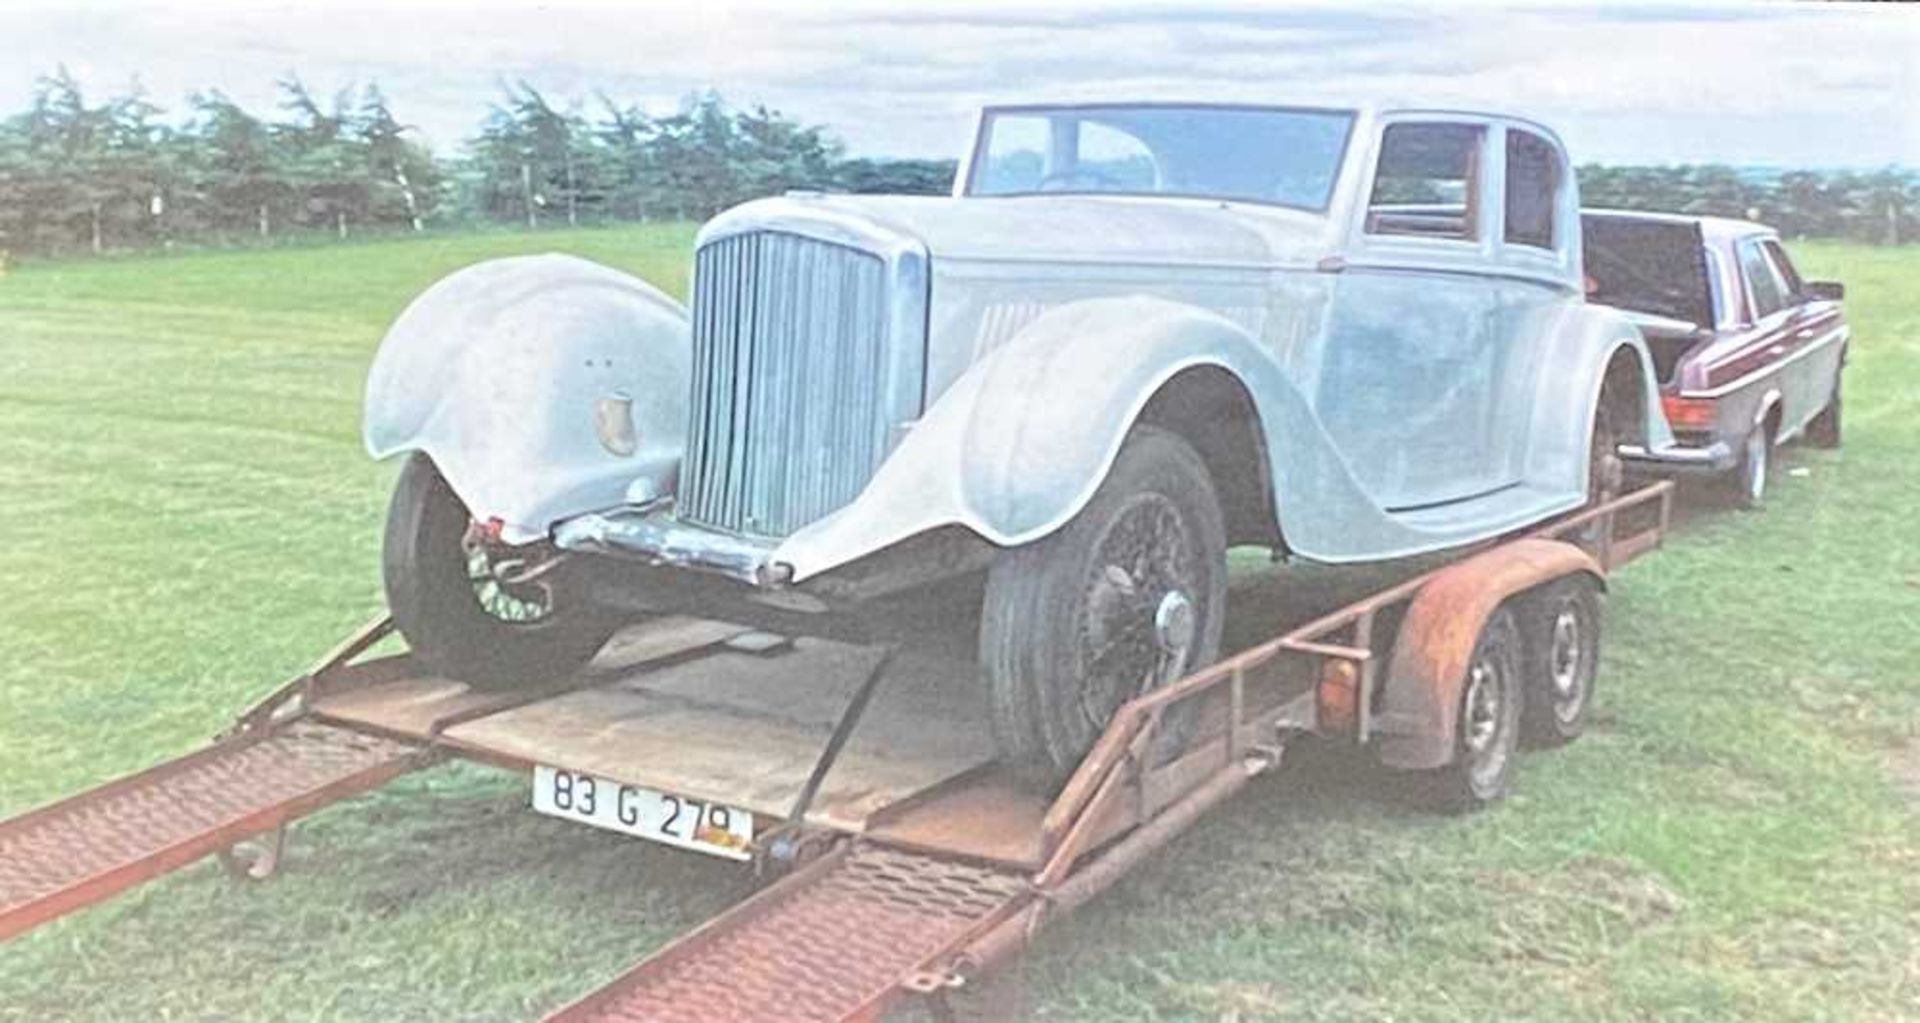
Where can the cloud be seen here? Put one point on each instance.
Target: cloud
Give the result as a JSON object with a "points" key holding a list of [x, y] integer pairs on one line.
{"points": [[1811, 84]]}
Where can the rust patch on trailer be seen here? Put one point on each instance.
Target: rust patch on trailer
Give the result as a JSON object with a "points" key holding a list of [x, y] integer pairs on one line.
{"points": [[1422, 688]]}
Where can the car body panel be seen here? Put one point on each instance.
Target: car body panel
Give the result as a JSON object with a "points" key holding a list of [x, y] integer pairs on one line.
{"points": [[1411, 393], [498, 370]]}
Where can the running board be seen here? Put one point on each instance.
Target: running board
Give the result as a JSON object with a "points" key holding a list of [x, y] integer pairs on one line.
{"points": [[87, 848]]}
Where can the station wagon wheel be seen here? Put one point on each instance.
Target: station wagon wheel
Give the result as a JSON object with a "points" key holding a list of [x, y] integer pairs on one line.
{"points": [[1487, 721], [1128, 596], [1824, 431], [1746, 485], [1560, 627], [472, 608]]}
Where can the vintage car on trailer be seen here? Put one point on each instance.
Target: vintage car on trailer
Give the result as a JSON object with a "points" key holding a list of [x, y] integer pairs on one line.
{"points": [[1134, 335], [1749, 355]]}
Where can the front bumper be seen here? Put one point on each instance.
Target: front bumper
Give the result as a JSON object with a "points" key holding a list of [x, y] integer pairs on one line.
{"points": [[1678, 460], [652, 535]]}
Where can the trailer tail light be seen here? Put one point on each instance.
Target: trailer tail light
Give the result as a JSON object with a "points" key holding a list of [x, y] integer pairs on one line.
{"points": [[1688, 413]]}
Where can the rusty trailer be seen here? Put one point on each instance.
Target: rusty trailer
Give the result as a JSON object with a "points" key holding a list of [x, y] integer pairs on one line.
{"points": [[908, 865]]}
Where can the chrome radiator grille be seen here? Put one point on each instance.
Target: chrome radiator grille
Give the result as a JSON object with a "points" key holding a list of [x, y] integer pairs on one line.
{"points": [[790, 412]]}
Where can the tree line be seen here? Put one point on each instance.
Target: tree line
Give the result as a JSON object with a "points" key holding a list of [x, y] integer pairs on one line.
{"points": [[78, 176]]}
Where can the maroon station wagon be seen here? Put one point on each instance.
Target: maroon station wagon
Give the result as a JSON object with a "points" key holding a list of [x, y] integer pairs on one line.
{"points": [[1748, 353]]}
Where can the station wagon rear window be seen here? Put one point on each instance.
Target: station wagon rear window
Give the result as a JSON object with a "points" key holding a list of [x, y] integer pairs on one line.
{"points": [[1281, 156]]}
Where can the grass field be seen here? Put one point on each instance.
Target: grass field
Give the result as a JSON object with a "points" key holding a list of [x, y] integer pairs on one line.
{"points": [[190, 519]]}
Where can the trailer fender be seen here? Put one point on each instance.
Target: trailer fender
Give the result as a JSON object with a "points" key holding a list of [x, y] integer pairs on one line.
{"points": [[541, 386], [1420, 695]]}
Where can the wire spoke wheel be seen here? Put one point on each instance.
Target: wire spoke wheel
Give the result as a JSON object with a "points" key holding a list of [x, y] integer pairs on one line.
{"points": [[1137, 627], [503, 585]]}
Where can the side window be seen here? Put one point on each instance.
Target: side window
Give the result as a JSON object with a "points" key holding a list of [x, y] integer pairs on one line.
{"points": [[1533, 183], [1768, 295], [1784, 268], [1427, 181]]}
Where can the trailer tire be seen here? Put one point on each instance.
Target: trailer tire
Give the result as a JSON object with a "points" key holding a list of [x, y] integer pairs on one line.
{"points": [[1049, 602], [1560, 626], [1487, 724], [437, 604]]}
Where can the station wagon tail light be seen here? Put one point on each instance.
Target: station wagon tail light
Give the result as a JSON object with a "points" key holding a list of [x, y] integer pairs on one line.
{"points": [[1688, 413]]}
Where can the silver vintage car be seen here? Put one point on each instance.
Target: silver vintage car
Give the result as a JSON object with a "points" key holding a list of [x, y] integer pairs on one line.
{"points": [[1134, 335]]}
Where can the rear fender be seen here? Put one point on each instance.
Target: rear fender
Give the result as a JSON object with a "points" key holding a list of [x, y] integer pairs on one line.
{"points": [[1574, 378], [499, 371], [1420, 695]]}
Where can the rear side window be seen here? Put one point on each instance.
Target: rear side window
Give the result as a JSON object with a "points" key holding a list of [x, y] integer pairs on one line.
{"points": [[1533, 183], [1769, 296], [1784, 268], [1426, 183]]}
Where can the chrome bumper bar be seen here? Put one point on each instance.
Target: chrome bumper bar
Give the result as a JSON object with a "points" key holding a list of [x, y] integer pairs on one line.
{"points": [[651, 534], [1715, 457]]}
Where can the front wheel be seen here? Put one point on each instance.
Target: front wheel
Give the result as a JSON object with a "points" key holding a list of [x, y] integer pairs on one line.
{"points": [[472, 609], [1127, 597]]}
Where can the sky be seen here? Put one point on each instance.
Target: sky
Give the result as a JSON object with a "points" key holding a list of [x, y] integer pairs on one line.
{"points": [[1782, 84]]}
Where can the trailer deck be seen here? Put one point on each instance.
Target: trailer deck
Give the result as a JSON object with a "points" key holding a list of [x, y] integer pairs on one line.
{"points": [[911, 863]]}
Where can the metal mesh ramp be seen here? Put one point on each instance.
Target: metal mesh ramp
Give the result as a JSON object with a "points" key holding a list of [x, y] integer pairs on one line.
{"points": [[830, 943], [90, 846]]}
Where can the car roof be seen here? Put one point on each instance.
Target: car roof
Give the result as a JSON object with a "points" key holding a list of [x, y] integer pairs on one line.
{"points": [[1713, 229]]}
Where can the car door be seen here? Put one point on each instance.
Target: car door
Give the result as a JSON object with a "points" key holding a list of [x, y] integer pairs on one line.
{"points": [[1772, 325], [1811, 353], [1538, 284], [1412, 354]]}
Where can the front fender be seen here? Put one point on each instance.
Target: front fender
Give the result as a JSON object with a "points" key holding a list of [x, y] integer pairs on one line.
{"points": [[1020, 442], [498, 371]]}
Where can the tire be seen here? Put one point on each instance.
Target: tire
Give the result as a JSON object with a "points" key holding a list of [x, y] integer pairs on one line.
{"points": [[1604, 468], [1745, 486], [1049, 604], [1560, 627], [439, 608], [1487, 725], [1824, 431]]}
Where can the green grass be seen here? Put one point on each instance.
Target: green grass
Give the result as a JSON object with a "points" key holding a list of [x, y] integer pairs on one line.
{"points": [[190, 519]]}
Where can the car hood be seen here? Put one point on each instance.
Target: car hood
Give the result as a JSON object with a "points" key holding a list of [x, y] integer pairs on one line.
{"points": [[1054, 228]]}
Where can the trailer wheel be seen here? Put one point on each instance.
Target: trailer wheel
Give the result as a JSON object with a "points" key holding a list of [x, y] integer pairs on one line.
{"points": [[446, 592], [1127, 597], [1487, 726], [1560, 626]]}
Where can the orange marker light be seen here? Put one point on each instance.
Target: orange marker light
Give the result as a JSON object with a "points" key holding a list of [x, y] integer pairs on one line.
{"points": [[1688, 413]]}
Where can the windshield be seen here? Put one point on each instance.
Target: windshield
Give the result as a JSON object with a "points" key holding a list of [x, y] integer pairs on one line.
{"points": [[1289, 157]]}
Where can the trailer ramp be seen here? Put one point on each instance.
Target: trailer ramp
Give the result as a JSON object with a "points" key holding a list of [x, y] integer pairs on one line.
{"points": [[833, 942], [83, 849]]}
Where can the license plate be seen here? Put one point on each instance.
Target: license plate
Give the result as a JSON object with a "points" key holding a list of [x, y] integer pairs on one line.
{"points": [[634, 810]]}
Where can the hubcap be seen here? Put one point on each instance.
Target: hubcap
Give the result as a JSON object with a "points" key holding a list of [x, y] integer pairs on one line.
{"points": [[1564, 661], [1173, 624], [1757, 464], [1486, 725], [1483, 708]]}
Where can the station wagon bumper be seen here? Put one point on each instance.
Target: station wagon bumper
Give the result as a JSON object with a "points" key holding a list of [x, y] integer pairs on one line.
{"points": [[1676, 459]]}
